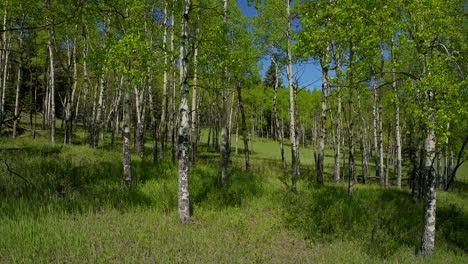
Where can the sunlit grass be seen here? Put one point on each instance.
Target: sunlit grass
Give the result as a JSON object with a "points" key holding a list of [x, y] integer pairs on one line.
{"points": [[73, 207]]}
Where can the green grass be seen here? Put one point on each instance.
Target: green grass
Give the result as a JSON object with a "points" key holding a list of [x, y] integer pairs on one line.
{"points": [[74, 209]]}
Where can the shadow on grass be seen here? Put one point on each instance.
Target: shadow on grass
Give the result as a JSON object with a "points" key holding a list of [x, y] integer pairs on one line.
{"points": [[380, 220], [62, 180]]}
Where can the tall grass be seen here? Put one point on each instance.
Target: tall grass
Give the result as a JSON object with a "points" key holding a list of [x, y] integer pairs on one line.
{"points": [[68, 204]]}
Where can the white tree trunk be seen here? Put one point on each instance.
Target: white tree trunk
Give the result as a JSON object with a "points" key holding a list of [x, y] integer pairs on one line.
{"points": [[184, 164], [5, 52], [225, 141], [336, 171], [292, 120], [375, 118], [52, 85], [18, 87], [194, 137], [323, 117], [163, 123], [428, 236], [398, 165], [275, 115], [126, 139]]}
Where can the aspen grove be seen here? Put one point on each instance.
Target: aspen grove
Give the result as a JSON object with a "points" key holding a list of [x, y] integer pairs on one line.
{"points": [[279, 129]]}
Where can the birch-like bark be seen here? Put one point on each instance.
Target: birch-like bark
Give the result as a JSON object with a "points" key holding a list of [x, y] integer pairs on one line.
{"points": [[173, 118], [140, 112], [292, 120], [163, 122], [184, 163], [225, 146], [336, 170], [126, 139], [398, 165], [363, 132], [97, 124], [194, 137], [380, 139], [52, 84], [4, 66], [18, 87], [323, 116], [71, 99], [375, 118], [275, 115], [428, 235]]}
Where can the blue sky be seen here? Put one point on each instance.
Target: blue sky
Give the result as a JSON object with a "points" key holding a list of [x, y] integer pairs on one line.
{"points": [[308, 74]]}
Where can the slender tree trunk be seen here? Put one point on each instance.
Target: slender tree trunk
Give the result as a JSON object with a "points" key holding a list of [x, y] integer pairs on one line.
{"points": [[244, 128], [323, 117], [363, 132], [174, 116], [184, 164], [18, 87], [4, 66], [389, 155], [126, 139], [194, 138], [292, 120], [351, 126], [225, 141], [375, 118], [52, 85], [70, 101], [279, 130], [380, 140], [140, 127], [154, 128], [398, 165], [163, 122], [336, 170], [237, 133]]}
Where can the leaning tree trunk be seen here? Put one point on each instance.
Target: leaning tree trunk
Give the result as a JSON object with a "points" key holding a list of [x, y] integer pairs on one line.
{"points": [[292, 122], [184, 163], [323, 117]]}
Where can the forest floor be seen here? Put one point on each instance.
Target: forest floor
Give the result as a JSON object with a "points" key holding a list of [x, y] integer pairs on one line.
{"points": [[67, 204]]}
